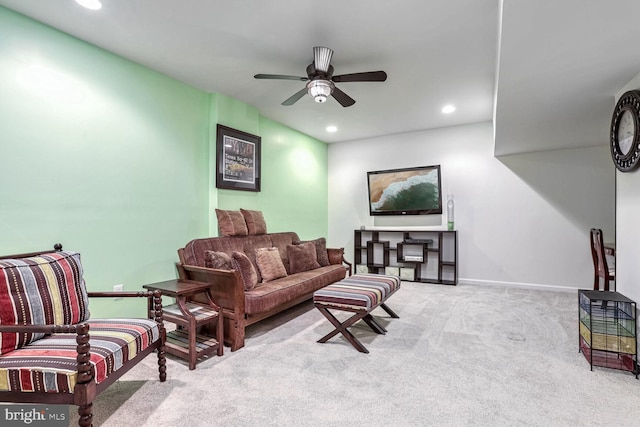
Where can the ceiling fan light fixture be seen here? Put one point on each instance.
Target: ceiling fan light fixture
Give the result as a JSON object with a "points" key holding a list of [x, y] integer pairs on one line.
{"points": [[320, 89], [90, 4]]}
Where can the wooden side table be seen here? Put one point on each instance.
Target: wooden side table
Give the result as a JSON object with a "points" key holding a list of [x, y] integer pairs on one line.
{"points": [[190, 345]]}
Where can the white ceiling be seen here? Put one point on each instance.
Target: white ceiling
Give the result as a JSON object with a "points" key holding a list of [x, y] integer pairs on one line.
{"points": [[560, 62]]}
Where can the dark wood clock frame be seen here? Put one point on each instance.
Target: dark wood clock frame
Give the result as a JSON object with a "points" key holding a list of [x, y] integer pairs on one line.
{"points": [[626, 162]]}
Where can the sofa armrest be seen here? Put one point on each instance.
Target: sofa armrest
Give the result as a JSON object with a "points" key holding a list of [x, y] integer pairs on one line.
{"points": [[227, 288], [336, 256]]}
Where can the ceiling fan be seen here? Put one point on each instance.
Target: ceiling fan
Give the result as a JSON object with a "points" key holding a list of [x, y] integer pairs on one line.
{"points": [[322, 81]]}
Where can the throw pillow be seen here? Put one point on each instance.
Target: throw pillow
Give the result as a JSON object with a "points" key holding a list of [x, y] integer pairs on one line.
{"points": [[321, 250], [231, 223], [302, 257], [335, 255], [47, 289], [243, 264], [270, 264], [255, 221], [219, 260]]}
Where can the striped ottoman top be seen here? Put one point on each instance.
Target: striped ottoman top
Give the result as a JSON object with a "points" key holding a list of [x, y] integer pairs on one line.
{"points": [[361, 292]]}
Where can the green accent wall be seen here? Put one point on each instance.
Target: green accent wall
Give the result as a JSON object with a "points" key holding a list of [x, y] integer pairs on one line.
{"points": [[117, 161], [294, 189]]}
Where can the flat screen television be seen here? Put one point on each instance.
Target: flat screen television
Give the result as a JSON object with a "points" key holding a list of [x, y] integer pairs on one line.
{"points": [[407, 191]]}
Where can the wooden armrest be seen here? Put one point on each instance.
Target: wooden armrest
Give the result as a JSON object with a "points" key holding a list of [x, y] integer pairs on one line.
{"points": [[44, 329], [154, 301], [203, 274], [227, 288], [120, 294]]}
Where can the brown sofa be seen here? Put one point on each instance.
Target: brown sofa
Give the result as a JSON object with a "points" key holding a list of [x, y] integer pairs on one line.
{"points": [[244, 307]]}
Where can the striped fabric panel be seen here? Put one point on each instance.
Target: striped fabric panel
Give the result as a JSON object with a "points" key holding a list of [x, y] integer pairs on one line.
{"points": [[198, 310], [358, 292], [45, 290], [49, 364], [388, 282]]}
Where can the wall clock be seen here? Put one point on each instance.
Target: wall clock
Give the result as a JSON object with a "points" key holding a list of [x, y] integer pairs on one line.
{"points": [[625, 132]]}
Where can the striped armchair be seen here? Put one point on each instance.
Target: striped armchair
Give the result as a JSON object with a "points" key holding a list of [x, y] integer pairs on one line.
{"points": [[51, 352]]}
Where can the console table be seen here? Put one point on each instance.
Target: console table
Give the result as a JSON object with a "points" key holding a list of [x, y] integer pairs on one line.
{"points": [[409, 254], [187, 343]]}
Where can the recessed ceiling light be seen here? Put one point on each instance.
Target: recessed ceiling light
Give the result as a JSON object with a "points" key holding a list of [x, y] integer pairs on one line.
{"points": [[90, 4], [448, 109], [331, 129]]}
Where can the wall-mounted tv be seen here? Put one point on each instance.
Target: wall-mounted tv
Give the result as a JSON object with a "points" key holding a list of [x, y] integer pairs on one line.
{"points": [[408, 191]]}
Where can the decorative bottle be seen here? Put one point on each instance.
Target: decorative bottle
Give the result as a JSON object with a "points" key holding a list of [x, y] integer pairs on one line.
{"points": [[450, 206]]}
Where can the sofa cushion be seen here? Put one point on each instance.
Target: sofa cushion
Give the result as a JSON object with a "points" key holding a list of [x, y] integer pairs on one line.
{"points": [[270, 264], [243, 264], [255, 221], [250, 248], [219, 260], [281, 241], [194, 251], [321, 250], [49, 364], [231, 223], [335, 255], [302, 257], [48, 289], [270, 295]]}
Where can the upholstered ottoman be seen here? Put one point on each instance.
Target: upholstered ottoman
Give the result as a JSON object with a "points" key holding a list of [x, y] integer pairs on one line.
{"points": [[359, 294]]}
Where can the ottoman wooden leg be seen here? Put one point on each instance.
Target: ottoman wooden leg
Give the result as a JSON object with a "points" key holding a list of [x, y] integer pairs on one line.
{"points": [[359, 294], [373, 324], [342, 328], [389, 311]]}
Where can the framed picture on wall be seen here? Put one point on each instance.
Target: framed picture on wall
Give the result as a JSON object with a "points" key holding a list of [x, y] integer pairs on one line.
{"points": [[237, 160]]}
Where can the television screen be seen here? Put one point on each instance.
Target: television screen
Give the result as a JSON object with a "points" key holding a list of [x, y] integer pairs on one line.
{"points": [[408, 191]]}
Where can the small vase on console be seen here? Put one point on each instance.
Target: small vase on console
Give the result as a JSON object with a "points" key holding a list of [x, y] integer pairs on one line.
{"points": [[450, 208]]}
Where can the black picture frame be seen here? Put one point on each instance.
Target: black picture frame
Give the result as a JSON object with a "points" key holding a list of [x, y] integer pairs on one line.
{"points": [[237, 159]]}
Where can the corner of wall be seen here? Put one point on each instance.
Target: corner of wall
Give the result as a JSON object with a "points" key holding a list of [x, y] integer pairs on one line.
{"points": [[213, 191]]}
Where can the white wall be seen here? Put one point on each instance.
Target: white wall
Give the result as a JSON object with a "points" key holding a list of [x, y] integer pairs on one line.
{"points": [[627, 229], [522, 219]]}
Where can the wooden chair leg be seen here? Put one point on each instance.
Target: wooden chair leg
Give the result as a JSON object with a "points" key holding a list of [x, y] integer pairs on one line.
{"points": [[220, 335], [86, 415], [162, 364]]}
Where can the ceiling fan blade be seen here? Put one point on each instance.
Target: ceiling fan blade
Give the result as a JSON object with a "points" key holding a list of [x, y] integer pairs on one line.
{"points": [[344, 99], [280, 77], [370, 76], [322, 58], [295, 97]]}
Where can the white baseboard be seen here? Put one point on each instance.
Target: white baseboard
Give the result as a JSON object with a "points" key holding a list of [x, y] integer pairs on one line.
{"points": [[517, 285]]}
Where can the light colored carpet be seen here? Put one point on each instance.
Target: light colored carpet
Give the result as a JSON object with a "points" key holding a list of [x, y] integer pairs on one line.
{"points": [[457, 356]]}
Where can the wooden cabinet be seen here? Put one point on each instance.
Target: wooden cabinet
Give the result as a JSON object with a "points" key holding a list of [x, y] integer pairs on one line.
{"points": [[427, 256]]}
